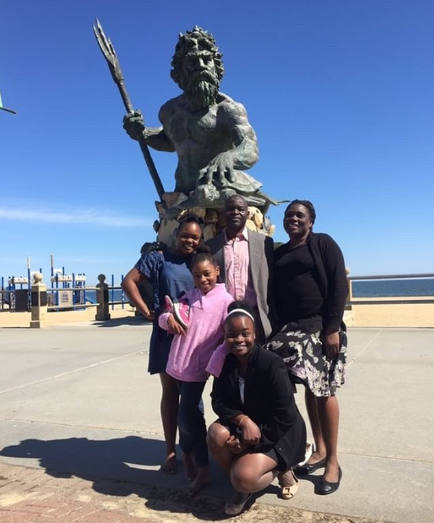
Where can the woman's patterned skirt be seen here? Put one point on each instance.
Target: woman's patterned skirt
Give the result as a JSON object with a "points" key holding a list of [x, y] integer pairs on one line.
{"points": [[299, 345]]}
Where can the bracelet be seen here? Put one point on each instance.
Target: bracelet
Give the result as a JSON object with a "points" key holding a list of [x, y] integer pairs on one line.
{"points": [[242, 419]]}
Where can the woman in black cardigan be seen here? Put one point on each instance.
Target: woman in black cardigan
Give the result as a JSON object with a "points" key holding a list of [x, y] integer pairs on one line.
{"points": [[310, 291], [259, 434]]}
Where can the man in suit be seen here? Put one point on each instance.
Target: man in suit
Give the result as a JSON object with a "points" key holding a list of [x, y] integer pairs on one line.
{"points": [[245, 258]]}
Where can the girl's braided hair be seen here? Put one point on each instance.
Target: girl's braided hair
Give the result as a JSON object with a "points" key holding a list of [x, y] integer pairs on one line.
{"points": [[203, 253]]}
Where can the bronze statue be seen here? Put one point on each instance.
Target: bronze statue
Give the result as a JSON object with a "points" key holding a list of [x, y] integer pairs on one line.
{"points": [[208, 130]]}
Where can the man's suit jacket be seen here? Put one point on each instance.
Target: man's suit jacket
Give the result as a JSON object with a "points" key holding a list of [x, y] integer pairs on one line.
{"points": [[261, 254]]}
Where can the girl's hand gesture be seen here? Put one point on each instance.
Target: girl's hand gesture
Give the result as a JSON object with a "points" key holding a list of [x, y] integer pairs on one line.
{"points": [[251, 432], [174, 326], [235, 445]]}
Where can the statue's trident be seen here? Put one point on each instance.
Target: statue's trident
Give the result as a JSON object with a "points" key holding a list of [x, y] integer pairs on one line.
{"points": [[110, 54]]}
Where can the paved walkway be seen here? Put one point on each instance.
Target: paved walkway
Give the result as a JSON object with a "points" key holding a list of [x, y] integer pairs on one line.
{"points": [[81, 440]]}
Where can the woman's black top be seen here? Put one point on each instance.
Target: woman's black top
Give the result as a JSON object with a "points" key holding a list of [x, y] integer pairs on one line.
{"points": [[297, 293], [311, 281]]}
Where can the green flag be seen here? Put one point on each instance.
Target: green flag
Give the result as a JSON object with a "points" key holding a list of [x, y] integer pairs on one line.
{"points": [[5, 108]]}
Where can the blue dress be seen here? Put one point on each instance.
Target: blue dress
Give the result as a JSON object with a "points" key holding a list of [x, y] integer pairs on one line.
{"points": [[169, 274]]}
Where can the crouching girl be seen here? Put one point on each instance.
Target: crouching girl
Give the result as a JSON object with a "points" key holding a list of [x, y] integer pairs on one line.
{"points": [[260, 433]]}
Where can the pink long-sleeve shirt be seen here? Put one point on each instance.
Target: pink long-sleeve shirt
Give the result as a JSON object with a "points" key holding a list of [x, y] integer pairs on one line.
{"points": [[190, 353], [217, 360], [239, 281]]}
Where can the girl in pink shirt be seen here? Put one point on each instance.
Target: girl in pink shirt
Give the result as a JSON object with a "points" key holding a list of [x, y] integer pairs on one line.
{"points": [[202, 315]]}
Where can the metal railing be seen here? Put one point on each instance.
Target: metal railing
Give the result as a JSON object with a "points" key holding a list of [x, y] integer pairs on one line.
{"points": [[388, 300], [56, 303], [59, 298], [8, 297]]}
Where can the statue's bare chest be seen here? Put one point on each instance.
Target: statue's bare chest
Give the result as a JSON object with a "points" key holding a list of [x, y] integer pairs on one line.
{"points": [[200, 127]]}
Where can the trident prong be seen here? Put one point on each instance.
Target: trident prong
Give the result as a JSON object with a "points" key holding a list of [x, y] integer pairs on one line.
{"points": [[108, 51], [110, 55]]}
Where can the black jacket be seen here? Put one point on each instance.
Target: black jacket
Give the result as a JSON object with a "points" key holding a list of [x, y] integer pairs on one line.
{"points": [[331, 276], [268, 401]]}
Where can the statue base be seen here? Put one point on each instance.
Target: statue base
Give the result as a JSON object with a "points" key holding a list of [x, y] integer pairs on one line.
{"points": [[176, 205]]}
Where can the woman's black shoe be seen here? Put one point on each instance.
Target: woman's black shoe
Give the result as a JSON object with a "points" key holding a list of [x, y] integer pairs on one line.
{"points": [[310, 467], [325, 487]]}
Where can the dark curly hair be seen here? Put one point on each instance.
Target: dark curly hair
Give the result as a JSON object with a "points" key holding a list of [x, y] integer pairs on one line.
{"points": [[196, 38], [309, 206], [190, 218]]}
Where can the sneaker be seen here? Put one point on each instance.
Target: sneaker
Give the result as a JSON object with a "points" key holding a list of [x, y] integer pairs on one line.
{"points": [[168, 304], [181, 312]]}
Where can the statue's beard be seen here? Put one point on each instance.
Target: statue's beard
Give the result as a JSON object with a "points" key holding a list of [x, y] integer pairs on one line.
{"points": [[202, 90]]}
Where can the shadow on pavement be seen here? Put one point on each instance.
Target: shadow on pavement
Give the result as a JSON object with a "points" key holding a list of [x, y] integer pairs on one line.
{"points": [[26, 327], [135, 321], [117, 467]]}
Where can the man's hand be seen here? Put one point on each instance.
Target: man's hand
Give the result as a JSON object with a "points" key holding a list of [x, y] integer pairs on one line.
{"points": [[175, 327], [221, 167], [134, 124], [330, 343]]}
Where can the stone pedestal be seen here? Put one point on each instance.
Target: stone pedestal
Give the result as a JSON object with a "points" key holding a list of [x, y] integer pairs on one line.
{"points": [[102, 297], [39, 302], [175, 207]]}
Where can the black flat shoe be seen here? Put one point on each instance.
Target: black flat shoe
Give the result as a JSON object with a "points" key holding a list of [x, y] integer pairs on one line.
{"points": [[310, 467], [234, 509], [325, 487]]}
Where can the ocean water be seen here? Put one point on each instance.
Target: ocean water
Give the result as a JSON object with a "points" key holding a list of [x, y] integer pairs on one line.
{"points": [[114, 295], [361, 289], [392, 288]]}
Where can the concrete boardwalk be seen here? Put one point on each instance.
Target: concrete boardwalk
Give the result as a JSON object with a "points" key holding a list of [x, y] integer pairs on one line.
{"points": [[81, 439]]}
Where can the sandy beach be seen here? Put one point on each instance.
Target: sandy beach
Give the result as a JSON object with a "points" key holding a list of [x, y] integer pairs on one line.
{"points": [[22, 319], [393, 315], [370, 315]]}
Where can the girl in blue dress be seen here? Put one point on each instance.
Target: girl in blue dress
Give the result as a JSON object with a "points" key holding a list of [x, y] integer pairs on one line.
{"points": [[169, 273]]}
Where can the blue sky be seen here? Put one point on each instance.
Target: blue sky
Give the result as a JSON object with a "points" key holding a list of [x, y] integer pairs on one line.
{"points": [[340, 93]]}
